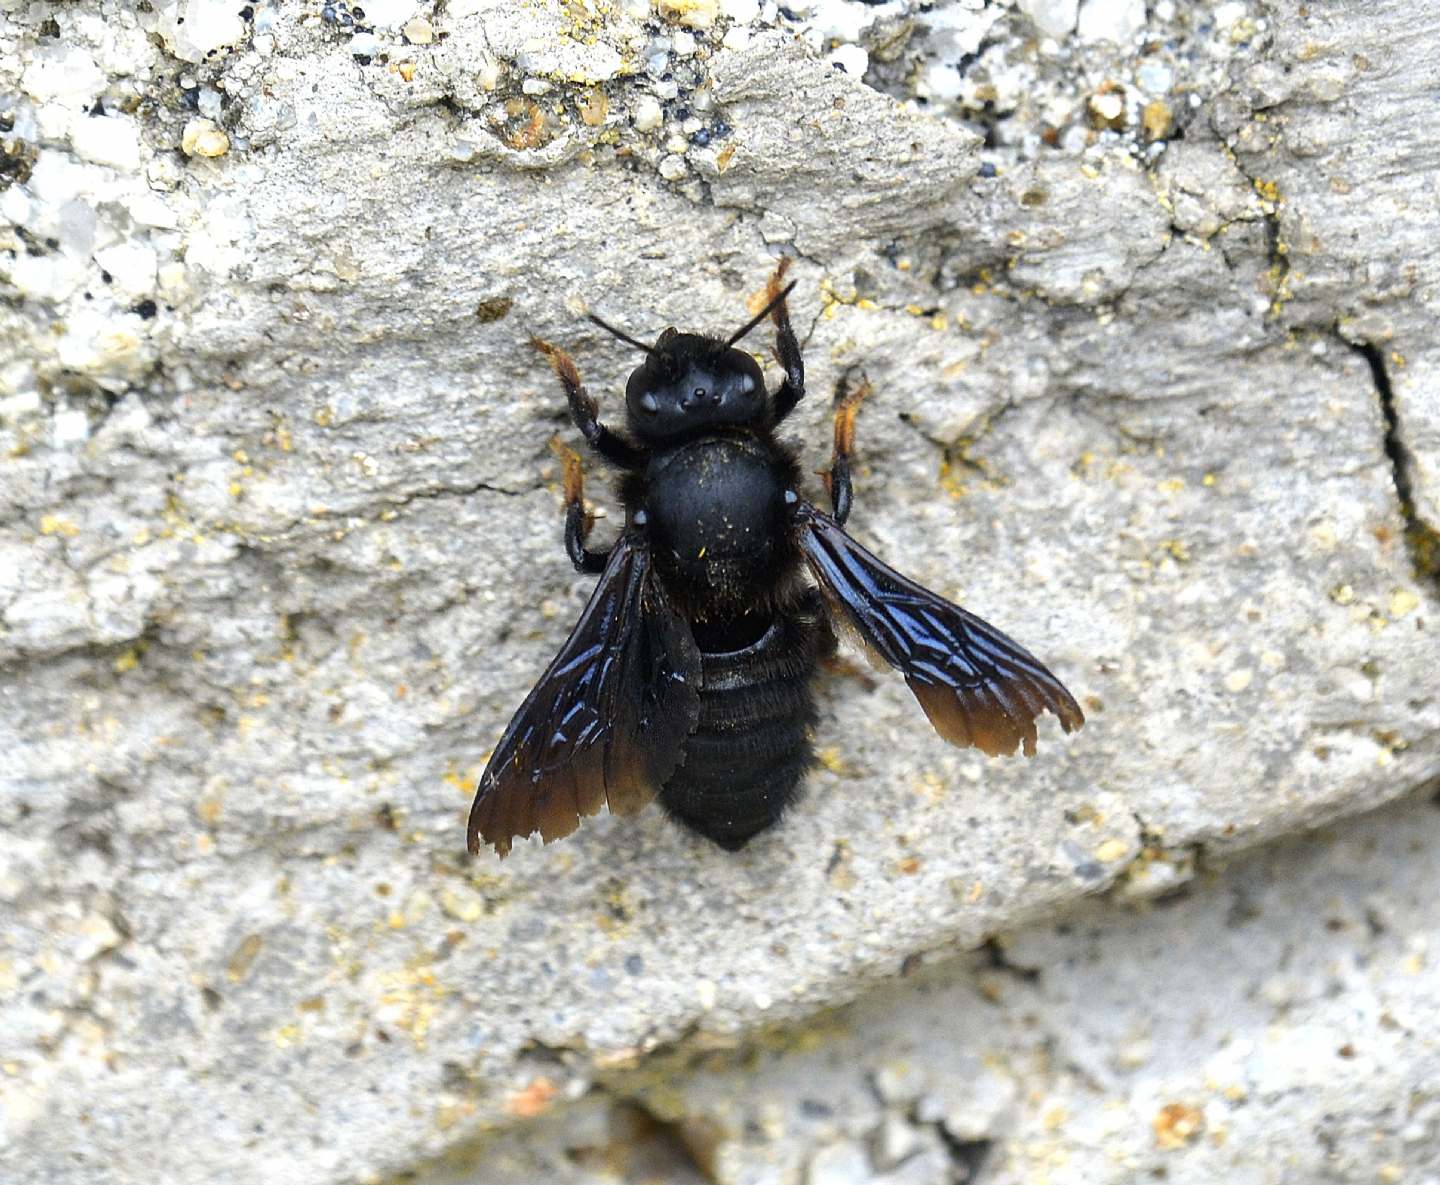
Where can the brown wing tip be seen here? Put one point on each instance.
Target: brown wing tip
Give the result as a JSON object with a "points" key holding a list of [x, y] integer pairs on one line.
{"points": [[972, 722], [1072, 719]]}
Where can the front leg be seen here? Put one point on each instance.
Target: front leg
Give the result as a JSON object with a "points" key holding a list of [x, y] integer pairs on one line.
{"points": [[837, 480], [787, 349], [578, 520], [584, 411]]}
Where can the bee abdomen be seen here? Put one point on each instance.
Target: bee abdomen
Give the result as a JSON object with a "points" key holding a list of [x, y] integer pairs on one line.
{"points": [[751, 748]]}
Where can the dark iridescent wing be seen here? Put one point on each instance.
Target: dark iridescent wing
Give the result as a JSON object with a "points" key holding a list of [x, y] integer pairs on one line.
{"points": [[976, 685], [608, 719]]}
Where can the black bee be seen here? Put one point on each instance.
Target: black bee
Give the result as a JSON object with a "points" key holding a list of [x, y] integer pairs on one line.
{"points": [[689, 675]]}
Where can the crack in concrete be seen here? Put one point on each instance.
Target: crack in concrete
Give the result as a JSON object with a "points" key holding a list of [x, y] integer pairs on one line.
{"points": [[1422, 539]]}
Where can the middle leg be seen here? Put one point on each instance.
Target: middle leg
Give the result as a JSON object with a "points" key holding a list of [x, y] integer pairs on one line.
{"points": [[578, 520]]}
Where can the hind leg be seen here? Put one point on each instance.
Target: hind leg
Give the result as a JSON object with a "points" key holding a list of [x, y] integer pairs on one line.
{"points": [[837, 480]]}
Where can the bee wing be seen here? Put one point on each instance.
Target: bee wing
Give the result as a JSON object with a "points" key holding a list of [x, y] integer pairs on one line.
{"points": [[977, 686], [608, 719]]}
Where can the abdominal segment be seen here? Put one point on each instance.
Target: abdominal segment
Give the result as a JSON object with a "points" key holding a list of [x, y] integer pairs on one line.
{"points": [[751, 748]]}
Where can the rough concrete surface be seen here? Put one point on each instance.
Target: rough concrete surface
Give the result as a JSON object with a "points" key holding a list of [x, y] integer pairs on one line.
{"points": [[1147, 294]]}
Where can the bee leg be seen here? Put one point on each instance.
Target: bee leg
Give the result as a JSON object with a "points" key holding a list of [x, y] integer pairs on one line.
{"points": [[578, 520], [787, 349], [584, 411], [837, 480]]}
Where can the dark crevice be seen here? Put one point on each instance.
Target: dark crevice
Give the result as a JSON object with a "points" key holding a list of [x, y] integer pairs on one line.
{"points": [[997, 960], [1422, 540], [681, 1151], [969, 1156]]}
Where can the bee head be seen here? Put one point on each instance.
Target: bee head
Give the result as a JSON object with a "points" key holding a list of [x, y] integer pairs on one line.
{"points": [[690, 383]]}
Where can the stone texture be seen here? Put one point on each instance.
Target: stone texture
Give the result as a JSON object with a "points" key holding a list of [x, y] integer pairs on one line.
{"points": [[279, 541], [1268, 1024]]}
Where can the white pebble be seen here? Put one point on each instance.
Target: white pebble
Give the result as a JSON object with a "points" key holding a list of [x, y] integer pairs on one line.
{"points": [[1054, 18], [1227, 14], [70, 427], [740, 11], [1156, 77], [364, 45], [63, 74], [851, 58], [535, 86], [113, 141], [1116, 21], [672, 168], [194, 29], [647, 115], [388, 14], [131, 266]]}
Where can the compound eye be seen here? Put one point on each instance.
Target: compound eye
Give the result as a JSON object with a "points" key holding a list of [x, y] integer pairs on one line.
{"points": [[648, 403]]}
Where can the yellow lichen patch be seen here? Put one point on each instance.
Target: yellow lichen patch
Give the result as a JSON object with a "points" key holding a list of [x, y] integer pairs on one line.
{"points": [[1402, 601], [128, 661], [463, 782], [410, 999], [1111, 850], [287, 1035], [449, 1114], [1268, 190], [830, 758], [462, 904], [53, 524], [243, 958], [1176, 1124]]}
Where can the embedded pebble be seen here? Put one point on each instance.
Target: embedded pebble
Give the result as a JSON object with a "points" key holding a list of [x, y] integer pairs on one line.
{"points": [[1054, 18], [672, 168], [740, 11], [696, 14], [851, 58], [203, 138], [647, 115], [364, 45], [844, 1163], [195, 29], [113, 141], [1115, 21]]}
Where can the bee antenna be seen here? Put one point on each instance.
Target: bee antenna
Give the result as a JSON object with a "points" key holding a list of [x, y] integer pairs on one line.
{"points": [[624, 337], [762, 314]]}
